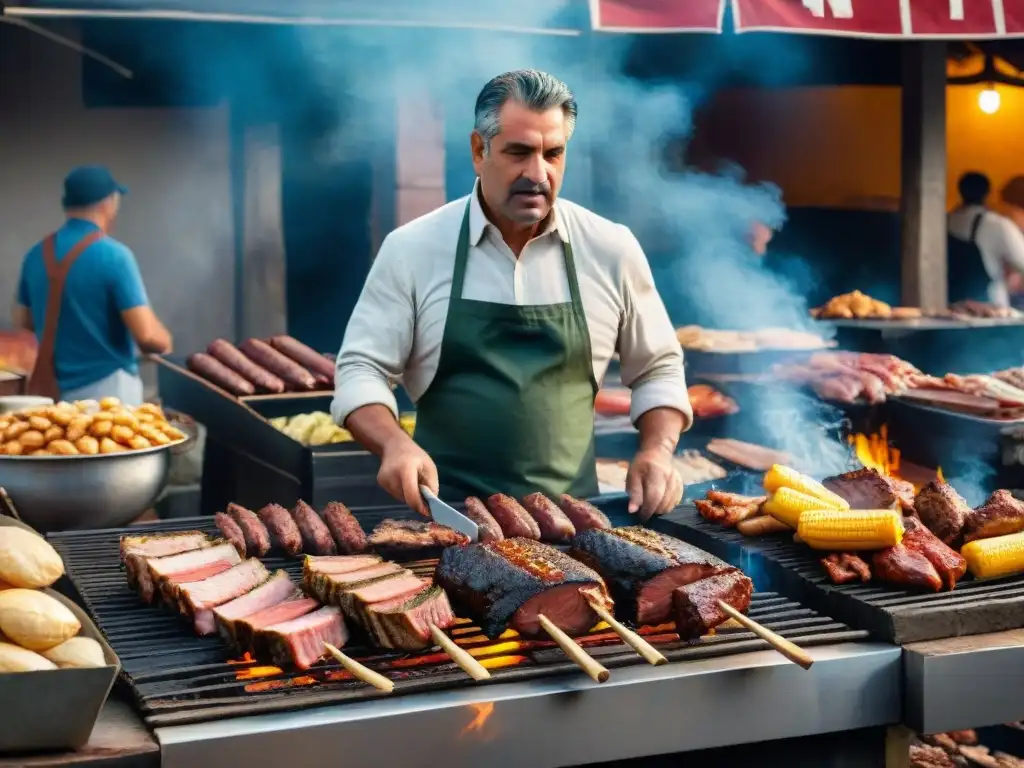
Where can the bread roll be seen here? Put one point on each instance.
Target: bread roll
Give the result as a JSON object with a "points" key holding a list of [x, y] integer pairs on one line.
{"points": [[27, 560], [77, 652], [35, 620], [15, 659]]}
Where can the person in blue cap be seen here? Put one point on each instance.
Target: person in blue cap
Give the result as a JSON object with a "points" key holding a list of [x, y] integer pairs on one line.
{"points": [[82, 294]]}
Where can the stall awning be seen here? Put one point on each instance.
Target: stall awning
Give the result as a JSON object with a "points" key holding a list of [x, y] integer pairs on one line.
{"points": [[957, 19]]}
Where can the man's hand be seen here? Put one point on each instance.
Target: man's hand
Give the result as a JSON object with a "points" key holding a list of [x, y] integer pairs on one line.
{"points": [[404, 467], [653, 484]]}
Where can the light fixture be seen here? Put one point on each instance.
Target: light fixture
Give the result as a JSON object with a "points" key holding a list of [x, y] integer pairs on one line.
{"points": [[988, 100]]}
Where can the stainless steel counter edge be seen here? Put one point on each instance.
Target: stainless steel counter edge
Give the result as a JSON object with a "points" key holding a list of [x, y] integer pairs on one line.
{"points": [[569, 720]]}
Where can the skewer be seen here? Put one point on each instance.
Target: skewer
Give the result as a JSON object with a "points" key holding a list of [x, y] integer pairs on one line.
{"points": [[360, 671], [791, 651], [650, 654], [9, 504], [469, 665], [573, 650]]}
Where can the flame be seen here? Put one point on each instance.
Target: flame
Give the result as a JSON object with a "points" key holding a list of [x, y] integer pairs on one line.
{"points": [[483, 714], [251, 672], [875, 452]]}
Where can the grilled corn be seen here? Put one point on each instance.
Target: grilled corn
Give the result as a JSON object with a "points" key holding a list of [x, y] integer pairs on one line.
{"points": [[856, 529], [995, 557], [785, 477], [786, 505]]}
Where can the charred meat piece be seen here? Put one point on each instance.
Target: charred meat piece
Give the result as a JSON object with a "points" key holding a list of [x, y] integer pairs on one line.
{"points": [[513, 519], [509, 583], [167, 587], [488, 528], [696, 608], [246, 630], [554, 525], [229, 530], [583, 514], [347, 533], [943, 510], [904, 494], [198, 599], [846, 568], [405, 539], [948, 563], [729, 509], [329, 586], [864, 489], [642, 567], [1000, 515], [356, 600], [257, 538], [907, 567], [283, 530], [301, 641], [135, 550], [853, 562], [160, 568], [710, 511], [274, 590], [404, 622], [316, 538], [338, 563]]}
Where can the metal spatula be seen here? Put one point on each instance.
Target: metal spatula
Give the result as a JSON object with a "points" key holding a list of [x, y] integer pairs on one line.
{"points": [[446, 515]]}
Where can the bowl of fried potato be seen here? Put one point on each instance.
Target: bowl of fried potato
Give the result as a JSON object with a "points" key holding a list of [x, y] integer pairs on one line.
{"points": [[86, 464]]}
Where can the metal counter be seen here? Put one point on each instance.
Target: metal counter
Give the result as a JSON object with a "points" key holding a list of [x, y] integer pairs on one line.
{"points": [[641, 711]]}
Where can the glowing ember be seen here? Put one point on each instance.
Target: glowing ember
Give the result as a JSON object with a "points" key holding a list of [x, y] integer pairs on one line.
{"points": [[251, 672], [496, 649], [500, 662], [483, 714]]}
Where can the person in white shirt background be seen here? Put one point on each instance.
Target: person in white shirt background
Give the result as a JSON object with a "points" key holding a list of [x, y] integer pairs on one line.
{"points": [[499, 313], [986, 249]]}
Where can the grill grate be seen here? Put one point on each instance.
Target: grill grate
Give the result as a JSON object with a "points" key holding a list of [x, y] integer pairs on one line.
{"points": [[179, 678], [897, 615]]}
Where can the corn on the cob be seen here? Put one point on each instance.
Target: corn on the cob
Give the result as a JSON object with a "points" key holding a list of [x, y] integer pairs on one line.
{"points": [[849, 530], [786, 505], [995, 557], [785, 477]]}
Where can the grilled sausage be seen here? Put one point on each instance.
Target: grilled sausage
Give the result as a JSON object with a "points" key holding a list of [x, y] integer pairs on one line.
{"points": [[283, 530], [348, 534], [293, 374], [257, 538], [230, 530], [513, 519], [553, 523], [583, 514], [215, 371], [308, 358], [233, 358], [316, 539], [489, 529]]}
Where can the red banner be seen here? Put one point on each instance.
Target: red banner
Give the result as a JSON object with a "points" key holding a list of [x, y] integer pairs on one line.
{"points": [[1013, 15], [658, 15], [851, 17]]}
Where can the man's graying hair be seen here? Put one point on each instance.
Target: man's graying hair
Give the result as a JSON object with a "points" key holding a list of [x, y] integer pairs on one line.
{"points": [[536, 90]]}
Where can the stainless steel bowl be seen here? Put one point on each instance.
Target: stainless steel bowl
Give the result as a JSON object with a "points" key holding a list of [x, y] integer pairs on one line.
{"points": [[56, 493]]}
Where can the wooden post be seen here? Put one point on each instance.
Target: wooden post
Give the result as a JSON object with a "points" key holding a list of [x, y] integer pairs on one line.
{"points": [[923, 175]]}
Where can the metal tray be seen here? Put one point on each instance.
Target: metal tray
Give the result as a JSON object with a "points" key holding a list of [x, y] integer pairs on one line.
{"points": [[699, 362]]}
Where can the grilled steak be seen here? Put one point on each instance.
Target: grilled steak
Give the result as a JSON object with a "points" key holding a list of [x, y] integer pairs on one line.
{"points": [[696, 604], [167, 587], [864, 489], [405, 539], [948, 563], [1000, 515], [404, 622], [135, 550], [316, 538], [356, 599], [513, 519], [338, 563], [198, 599], [257, 538], [583, 514], [907, 567], [230, 530], [642, 567], [158, 568], [943, 510], [329, 586], [301, 641], [246, 630], [554, 525], [274, 590], [510, 582], [488, 528], [283, 530], [348, 534]]}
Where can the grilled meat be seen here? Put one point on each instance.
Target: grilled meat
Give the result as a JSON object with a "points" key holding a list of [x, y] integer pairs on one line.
{"points": [[907, 567], [338, 563], [167, 587], [274, 590], [329, 586], [347, 533], [230, 530], [554, 525], [283, 530], [642, 567], [488, 528], [246, 630], [316, 538], [513, 519], [405, 539], [356, 600], [926, 756], [159, 568], [301, 641], [696, 608], [510, 582], [1000, 515], [729, 509], [197, 599], [864, 489], [583, 514], [948, 563], [404, 622], [135, 550], [845, 568], [943, 510], [257, 538]]}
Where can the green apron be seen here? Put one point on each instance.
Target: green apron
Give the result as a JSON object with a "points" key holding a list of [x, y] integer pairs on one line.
{"points": [[511, 408]]}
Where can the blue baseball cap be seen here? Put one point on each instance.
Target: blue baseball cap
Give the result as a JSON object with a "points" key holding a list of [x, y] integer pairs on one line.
{"points": [[88, 185]]}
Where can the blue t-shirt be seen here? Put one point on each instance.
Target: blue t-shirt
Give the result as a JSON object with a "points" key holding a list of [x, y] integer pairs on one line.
{"points": [[92, 340]]}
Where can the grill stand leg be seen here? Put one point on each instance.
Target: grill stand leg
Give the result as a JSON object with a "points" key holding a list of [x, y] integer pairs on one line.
{"points": [[897, 747]]}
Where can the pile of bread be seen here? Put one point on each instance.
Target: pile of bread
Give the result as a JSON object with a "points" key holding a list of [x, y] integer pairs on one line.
{"points": [[37, 631]]}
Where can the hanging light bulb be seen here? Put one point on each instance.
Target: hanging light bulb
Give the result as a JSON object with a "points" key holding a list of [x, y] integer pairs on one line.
{"points": [[988, 100]]}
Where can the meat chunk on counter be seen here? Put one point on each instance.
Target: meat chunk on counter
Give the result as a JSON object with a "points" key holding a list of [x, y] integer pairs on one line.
{"points": [[947, 562], [846, 568], [905, 567], [943, 510], [408, 539], [1000, 515], [301, 641], [696, 607]]}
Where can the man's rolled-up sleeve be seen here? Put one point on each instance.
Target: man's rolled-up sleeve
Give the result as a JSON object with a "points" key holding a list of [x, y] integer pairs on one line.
{"points": [[651, 359], [379, 337]]}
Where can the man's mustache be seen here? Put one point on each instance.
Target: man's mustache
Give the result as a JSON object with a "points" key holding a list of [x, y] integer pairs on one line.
{"points": [[524, 187]]}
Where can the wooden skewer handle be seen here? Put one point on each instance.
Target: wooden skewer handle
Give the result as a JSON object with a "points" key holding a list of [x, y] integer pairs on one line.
{"points": [[573, 650], [469, 665], [651, 654], [361, 672], [793, 652]]}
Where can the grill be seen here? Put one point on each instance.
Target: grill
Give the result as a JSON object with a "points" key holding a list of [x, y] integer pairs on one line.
{"points": [[886, 611], [179, 678]]}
